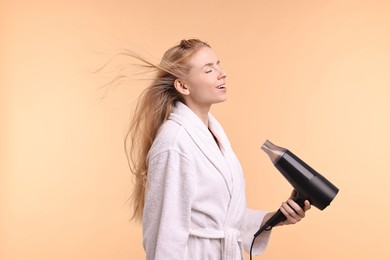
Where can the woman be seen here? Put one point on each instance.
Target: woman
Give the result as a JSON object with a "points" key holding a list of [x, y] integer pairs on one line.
{"points": [[189, 189]]}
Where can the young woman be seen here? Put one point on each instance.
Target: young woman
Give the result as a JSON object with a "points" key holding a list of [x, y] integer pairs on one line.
{"points": [[189, 189]]}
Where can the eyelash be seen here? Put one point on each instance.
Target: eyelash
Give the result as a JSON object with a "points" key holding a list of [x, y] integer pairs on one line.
{"points": [[209, 71]]}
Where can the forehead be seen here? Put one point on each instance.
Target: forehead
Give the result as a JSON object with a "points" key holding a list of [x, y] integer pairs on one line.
{"points": [[203, 56]]}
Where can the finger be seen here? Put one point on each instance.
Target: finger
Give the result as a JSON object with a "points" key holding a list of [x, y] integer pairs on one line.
{"points": [[291, 211], [285, 210], [296, 208], [307, 205], [293, 194]]}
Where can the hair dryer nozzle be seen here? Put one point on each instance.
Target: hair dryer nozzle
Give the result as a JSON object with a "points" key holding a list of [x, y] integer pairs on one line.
{"points": [[274, 152]]}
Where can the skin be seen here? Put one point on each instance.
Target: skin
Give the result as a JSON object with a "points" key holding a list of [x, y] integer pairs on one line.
{"points": [[203, 86], [293, 212]]}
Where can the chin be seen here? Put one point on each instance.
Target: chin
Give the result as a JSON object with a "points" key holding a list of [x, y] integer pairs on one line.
{"points": [[221, 100]]}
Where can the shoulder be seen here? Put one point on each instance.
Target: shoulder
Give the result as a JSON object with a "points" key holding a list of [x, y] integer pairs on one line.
{"points": [[171, 137], [171, 153]]}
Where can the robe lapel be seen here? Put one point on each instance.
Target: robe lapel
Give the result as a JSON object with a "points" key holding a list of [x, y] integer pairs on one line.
{"points": [[203, 139], [237, 203]]}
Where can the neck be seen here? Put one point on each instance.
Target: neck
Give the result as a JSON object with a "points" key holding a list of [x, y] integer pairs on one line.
{"points": [[201, 112], [204, 116]]}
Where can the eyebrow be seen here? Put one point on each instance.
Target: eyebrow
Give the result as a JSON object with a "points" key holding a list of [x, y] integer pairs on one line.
{"points": [[211, 64]]}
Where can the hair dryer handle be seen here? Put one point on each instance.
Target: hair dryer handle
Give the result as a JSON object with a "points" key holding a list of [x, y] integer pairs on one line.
{"points": [[279, 216]]}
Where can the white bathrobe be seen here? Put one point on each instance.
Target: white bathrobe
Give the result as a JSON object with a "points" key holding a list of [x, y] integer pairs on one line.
{"points": [[195, 206]]}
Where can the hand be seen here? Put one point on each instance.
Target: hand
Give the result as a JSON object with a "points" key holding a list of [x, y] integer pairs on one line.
{"points": [[293, 212]]}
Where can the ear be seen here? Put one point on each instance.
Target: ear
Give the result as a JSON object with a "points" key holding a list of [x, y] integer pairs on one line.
{"points": [[181, 87]]}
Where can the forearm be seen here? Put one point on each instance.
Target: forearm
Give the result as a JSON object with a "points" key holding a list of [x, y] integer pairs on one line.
{"points": [[268, 216]]}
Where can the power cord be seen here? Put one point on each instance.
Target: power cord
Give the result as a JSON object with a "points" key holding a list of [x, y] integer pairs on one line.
{"points": [[263, 228], [274, 220]]}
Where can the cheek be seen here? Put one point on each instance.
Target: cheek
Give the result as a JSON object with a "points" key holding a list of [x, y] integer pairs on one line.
{"points": [[197, 84], [201, 84], [204, 87], [205, 81]]}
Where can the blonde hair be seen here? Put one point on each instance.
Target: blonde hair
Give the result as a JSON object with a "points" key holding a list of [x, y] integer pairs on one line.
{"points": [[153, 107]]}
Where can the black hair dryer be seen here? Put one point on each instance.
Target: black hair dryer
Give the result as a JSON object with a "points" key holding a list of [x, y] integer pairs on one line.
{"points": [[308, 184]]}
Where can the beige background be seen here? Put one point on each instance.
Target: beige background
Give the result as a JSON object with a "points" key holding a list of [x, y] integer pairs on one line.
{"points": [[312, 76]]}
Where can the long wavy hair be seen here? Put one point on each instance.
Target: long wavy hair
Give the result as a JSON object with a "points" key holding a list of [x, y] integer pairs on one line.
{"points": [[153, 107]]}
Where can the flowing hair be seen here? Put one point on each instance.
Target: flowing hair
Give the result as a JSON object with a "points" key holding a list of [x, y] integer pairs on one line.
{"points": [[153, 107]]}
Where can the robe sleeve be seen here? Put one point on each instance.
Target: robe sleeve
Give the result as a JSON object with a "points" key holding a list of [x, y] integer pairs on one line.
{"points": [[167, 209], [249, 226]]}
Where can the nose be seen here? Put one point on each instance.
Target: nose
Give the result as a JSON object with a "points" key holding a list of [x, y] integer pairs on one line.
{"points": [[222, 74]]}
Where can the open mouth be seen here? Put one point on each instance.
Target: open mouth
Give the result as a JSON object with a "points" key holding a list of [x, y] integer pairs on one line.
{"points": [[221, 86]]}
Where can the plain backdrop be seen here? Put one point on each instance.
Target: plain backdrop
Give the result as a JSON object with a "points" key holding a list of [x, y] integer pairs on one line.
{"points": [[312, 76]]}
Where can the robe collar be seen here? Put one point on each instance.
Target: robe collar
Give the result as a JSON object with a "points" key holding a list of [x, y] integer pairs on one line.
{"points": [[202, 137]]}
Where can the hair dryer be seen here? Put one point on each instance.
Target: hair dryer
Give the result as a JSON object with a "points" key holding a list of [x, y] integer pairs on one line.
{"points": [[308, 184]]}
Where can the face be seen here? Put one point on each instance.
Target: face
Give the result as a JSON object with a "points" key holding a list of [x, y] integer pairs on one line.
{"points": [[205, 82]]}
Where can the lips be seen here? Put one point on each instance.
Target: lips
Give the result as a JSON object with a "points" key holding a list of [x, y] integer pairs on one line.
{"points": [[222, 86]]}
